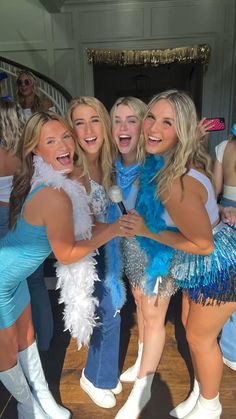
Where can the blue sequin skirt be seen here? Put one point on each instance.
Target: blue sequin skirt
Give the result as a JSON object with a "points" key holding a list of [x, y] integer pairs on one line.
{"points": [[209, 279]]}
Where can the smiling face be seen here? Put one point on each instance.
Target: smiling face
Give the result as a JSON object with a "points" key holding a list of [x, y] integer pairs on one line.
{"points": [[88, 129], [56, 146], [159, 128], [126, 129]]}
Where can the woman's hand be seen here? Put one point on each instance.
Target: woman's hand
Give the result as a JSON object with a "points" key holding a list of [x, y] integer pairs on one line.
{"points": [[121, 228], [134, 223], [228, 215], [204, 127]]}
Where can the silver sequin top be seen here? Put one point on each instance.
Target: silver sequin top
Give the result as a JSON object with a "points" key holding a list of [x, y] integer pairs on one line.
{"points": [[98, 201]]}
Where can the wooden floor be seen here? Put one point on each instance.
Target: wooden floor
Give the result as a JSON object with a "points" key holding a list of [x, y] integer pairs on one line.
{"points": [[63, 364]]}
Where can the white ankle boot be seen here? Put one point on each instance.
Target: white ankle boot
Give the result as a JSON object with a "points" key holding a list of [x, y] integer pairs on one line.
{"points": [[187, 405], [131, 373], [206, 409], [15, 382], [32, 367], [138, 398]]}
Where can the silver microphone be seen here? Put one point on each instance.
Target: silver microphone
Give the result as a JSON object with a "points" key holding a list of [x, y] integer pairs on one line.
{"points": [[116, 196]]}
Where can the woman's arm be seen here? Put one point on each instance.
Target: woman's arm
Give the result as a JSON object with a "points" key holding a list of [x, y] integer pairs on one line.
{"points": [[57, 216], [218, 177], [187, 210]]}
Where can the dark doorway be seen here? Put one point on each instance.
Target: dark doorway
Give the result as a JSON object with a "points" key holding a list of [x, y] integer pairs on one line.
{"points": [[111, 82]]}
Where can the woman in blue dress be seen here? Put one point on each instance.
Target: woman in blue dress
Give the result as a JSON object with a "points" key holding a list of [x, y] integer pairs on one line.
{"points": [[41, 220], [12, 122]]}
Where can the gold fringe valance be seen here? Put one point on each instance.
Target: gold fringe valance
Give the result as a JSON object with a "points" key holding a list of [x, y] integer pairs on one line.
{"points": [[150, 57]]}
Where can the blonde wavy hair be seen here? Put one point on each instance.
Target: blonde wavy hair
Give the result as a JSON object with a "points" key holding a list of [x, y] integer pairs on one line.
{"points": [[139, 109], [190, 150], [39, 98], [107, 152], [12, 122], [25, 151]]}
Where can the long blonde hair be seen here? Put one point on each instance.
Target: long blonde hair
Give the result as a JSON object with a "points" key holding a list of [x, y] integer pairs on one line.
{"points": [[39, 98], [139, 108], [12, 122], [108, 150], [190, 150], [25, 151]]}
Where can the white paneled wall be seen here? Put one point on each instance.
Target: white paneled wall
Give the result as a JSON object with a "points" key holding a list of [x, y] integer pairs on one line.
{"points": [[55, 44]]}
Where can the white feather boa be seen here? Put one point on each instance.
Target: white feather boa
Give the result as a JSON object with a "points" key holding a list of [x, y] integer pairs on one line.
{"points": [[76, 280]]}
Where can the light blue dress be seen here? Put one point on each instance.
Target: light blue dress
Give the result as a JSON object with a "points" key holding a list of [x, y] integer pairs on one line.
{"points": [[22, 250]]}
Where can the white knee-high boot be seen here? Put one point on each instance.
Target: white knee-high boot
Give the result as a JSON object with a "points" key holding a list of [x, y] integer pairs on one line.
{"points": [[138, 398], [15, 382], [207, 409], [131, 373], [187, 405], [32, 367]]}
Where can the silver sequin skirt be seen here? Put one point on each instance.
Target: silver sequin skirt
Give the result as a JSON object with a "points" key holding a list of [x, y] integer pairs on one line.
{"points": [[135, 261]]}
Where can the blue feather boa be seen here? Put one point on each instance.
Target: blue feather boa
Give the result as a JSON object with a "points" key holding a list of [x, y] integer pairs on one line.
{"points": [[149, 206], [125, 177]]}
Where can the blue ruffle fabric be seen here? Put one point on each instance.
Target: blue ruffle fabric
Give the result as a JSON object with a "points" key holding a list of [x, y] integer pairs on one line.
{"points": [[149, 206]]}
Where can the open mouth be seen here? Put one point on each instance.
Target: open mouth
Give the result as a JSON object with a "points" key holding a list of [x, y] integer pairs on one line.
{"points": [[64, 159], [153, 140], [124, 139], [90, 140]]}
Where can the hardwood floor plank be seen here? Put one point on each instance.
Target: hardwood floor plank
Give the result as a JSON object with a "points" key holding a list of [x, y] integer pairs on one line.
{"points": [[63, 363]]}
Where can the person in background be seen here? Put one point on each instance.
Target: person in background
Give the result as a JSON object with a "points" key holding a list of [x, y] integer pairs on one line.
{"points": [[29, 95], [225, 184], [3, 88], [46, 152], [176, 207], [12, 122], [92, 127], [127, 115]]}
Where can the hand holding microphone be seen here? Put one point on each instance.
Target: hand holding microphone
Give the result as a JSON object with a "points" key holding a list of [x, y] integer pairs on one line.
{"points": [[116, 196]]}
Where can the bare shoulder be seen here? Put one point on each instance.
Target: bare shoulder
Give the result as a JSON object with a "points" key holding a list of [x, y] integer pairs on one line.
{"points": [[51, 197], [186, 187], [46, 103], [9, 163], [230, 150], [231, 145]]}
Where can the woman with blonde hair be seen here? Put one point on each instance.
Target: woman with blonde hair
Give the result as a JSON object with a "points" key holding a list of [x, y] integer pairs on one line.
{"points": [[29, 95], [92, 127], [127, 115], [46, 152], [177, 221], [12, 122]]}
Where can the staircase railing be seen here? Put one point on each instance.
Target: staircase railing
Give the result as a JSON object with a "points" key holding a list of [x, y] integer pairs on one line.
{"points": [[56, 93]]}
